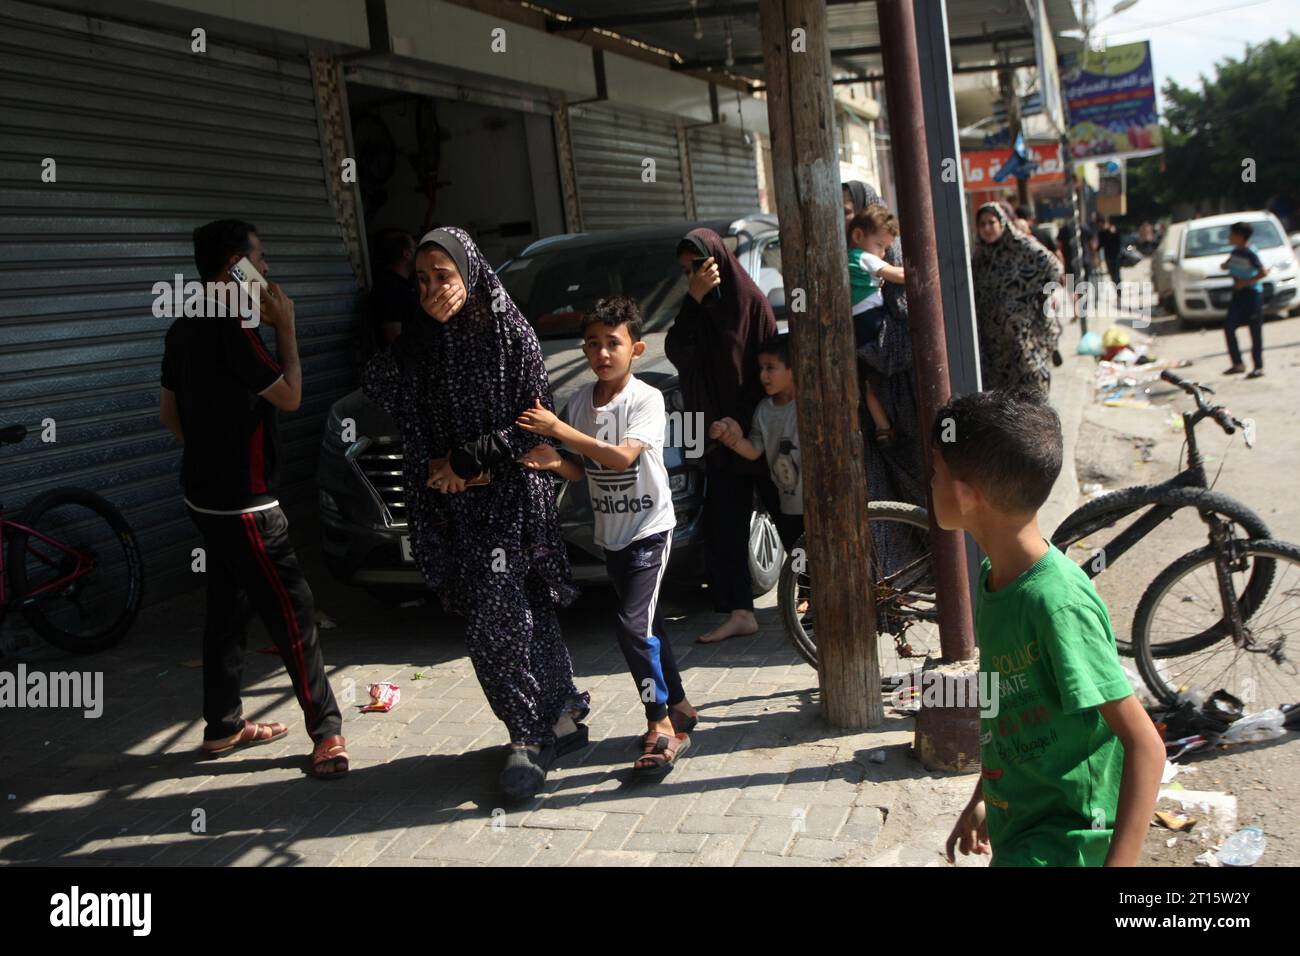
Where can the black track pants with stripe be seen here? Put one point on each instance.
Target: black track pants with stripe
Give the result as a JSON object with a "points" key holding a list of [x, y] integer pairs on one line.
{"points": [[637, 573], [252, 568]]}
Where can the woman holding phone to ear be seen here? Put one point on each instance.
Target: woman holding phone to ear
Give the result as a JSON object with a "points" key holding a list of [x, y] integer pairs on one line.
{"points": [[714, 343], [456, 379]]}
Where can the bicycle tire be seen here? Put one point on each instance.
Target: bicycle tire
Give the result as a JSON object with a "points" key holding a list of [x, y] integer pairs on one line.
{"points": [[41, 624], [1152, 596], [787, 586], [1105, 510]]}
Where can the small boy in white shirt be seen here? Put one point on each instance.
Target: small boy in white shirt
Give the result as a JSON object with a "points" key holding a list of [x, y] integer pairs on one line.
{"points": [[617, 424]]}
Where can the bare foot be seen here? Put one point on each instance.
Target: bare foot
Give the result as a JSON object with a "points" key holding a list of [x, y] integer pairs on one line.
{"points": [[565, 725], [737, 624]]}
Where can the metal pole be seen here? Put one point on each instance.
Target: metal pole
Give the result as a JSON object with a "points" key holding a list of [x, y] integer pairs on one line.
{"points": [[924, 307]]}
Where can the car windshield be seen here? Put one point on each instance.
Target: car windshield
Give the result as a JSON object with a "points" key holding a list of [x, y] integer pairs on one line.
{"points": [[556, 286], [1213, 240]]}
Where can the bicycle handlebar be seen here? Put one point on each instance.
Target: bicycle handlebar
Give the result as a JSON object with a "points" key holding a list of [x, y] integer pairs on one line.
{"points": [[1221, 415]]}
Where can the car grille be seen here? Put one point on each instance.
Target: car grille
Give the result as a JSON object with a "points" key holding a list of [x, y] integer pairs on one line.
{"points": [[381, 467]]}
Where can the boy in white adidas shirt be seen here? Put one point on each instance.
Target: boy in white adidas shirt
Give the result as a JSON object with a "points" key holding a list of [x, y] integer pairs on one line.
{"points": [[616, 424]]}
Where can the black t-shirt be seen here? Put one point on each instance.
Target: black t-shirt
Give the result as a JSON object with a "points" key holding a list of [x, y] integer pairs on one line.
{"points": [[1108, 242], [393, 299], [216, 367]]}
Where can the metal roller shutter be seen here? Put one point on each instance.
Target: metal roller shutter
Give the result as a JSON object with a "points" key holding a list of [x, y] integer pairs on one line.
{"points": [[150, 141], [724, 172], [609, 146]]}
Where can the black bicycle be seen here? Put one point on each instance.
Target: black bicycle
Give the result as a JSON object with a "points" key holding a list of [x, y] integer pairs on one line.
{"points": [[74, 568], [1223, 617], [1098, 535]]}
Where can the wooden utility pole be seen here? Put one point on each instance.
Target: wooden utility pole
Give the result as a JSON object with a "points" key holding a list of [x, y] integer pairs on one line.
{"points": [[796, 55]]}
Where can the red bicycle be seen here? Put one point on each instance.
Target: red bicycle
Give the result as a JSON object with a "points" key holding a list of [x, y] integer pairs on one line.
{"points": [[74, 568]]}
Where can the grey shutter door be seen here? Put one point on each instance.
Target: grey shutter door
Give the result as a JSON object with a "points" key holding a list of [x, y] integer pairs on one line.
{"points": [[724, 172], [150, 141], [609, 149]]}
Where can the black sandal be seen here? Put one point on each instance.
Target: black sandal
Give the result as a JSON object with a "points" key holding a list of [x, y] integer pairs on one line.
{"points": [[570, 742], [525, 772]]}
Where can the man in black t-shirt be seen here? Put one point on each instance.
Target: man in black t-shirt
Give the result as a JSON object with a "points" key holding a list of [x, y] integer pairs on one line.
{"points": [[1108, 240], [221, 390], [395, 294]]}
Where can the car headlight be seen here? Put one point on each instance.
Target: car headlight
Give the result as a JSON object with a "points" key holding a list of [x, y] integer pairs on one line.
{"points": [[679, 482]]}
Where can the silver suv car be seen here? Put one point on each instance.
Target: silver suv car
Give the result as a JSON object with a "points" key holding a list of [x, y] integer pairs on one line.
{"points": [[553, 282]]}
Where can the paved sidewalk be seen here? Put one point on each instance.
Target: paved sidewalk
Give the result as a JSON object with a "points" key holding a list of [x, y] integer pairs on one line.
{"points": [[767, 782]]}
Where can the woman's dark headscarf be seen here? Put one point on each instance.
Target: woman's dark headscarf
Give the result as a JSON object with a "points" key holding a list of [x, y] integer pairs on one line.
{"points": [[456, 389], [717, 359]]}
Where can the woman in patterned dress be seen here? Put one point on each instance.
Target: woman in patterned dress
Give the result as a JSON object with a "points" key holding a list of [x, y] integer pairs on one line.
{"points": [[455, 383], [896, 473], [1012, 272]]}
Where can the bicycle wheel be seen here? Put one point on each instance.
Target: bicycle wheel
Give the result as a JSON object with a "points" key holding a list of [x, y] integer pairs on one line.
{"points": [[906, 617], [1183, 613], [1086, 534], [78, 574]]}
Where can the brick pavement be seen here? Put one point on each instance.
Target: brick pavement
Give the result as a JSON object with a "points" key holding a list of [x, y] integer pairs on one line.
{"points": [[767, 782]]}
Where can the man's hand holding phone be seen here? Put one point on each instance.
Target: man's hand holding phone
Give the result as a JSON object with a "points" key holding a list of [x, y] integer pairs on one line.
{"points": [[277, 309], [704, 279]]}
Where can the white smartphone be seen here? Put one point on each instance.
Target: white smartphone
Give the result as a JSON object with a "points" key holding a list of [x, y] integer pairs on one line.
{"points": [[246, 274], [244, 271]]}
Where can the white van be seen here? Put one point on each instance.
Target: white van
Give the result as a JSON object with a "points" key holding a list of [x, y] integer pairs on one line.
{"points": [[1200, 288]]}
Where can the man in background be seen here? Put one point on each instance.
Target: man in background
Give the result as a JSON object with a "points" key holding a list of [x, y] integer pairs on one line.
{"points": [[395, 293]]}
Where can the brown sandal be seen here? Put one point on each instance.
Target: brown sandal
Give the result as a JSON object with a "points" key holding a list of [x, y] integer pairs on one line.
{"points": [[251, 735], [661, 752], [332, 751]]}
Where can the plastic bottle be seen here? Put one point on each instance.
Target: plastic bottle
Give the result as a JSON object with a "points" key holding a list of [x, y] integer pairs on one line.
{"points": [[1243, 848], [1253, 728]]}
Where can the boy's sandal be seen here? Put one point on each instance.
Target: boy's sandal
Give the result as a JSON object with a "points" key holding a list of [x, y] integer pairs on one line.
{"points": [[1255, 373], [331, 752], [250, 735], [681, 725], [661, 752], [1234, 370]]}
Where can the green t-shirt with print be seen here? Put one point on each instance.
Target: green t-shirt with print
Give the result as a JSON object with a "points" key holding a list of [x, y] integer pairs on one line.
{"points": [[1051, 765]]}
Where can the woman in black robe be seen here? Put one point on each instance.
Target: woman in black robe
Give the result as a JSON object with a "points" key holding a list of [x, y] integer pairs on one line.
{"points": [[455, 382], [714, 344], [896, 473]]}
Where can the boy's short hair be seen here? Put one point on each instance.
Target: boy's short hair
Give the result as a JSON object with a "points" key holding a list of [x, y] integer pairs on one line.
{"points": [[873, 219], [778, 345], [1006, 444], [614, 311], [217, 241], [1242, 229]]}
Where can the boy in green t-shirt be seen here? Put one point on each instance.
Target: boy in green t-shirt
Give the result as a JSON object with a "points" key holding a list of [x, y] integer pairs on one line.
{"points": [[1071, 763]]}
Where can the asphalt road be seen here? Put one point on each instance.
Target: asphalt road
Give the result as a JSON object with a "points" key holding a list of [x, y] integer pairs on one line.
{"points": [[1119, 447]]}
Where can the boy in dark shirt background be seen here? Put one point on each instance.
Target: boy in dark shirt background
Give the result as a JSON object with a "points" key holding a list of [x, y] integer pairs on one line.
{"points": [[1247, 304]]}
